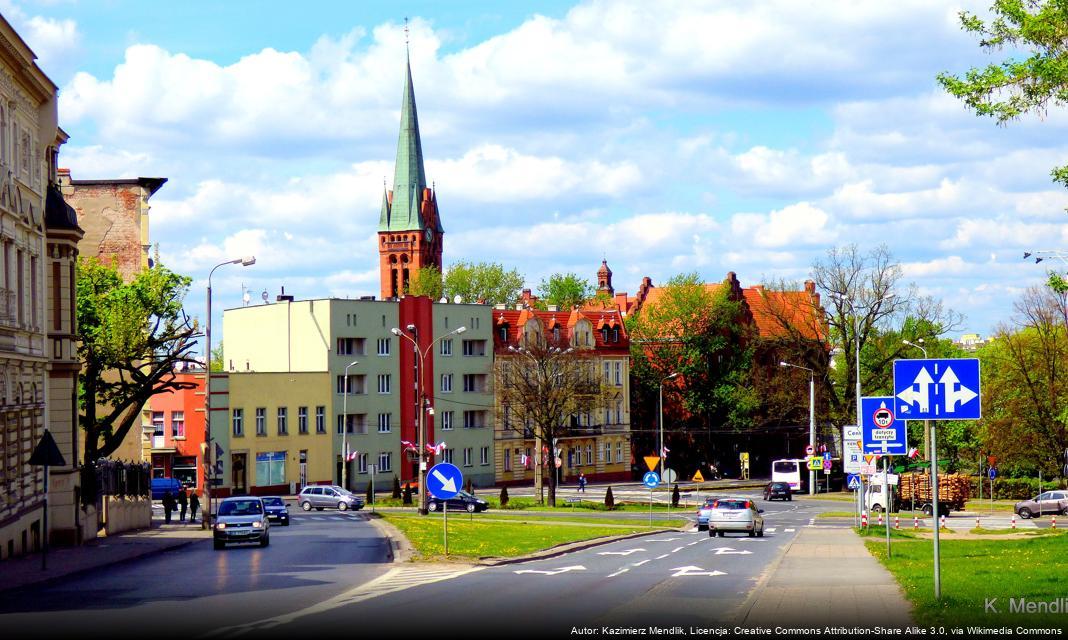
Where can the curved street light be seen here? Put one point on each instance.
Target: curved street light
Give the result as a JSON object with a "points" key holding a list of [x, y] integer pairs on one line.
{"points": [[345, 428]]}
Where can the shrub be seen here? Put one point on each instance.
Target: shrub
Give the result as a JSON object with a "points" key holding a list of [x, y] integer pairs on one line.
{"points": [[609, 499], [675, 497], [407, 494], [504, 497], [470, 487], [396, 488]]}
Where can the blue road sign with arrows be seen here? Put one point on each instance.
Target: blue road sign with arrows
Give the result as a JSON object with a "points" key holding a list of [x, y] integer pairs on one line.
{"points": [[444, 480], [945, 389], [651, 479], [883, 432]]}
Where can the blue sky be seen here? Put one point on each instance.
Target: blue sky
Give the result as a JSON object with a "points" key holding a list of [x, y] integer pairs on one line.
{"points": [[667, 137]]}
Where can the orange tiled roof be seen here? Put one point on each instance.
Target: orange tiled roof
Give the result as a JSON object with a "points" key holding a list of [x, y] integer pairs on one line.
{"points": [[799, 308]]}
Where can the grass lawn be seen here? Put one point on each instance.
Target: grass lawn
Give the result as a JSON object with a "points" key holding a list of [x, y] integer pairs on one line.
{"points": [[484, 538], [590, 503], [984, 505], [974, 571]]}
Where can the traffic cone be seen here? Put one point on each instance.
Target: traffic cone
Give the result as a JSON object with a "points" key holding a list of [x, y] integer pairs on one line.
{"points": [[897, 522]]}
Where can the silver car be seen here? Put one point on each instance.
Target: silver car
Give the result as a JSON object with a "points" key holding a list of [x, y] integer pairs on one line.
{"points": [[735, 514], [328, 497], [1048, 503], [241, 519]]}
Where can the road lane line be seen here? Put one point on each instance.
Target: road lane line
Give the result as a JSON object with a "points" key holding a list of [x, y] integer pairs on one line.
{"points": [[621, 571], [638, 564], [663, 556], [677, 549]]}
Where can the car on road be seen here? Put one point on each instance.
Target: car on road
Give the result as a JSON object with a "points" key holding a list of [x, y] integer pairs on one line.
{"points": [[735, 514], [462, 501], [328, 497], [703, 512], [277, 510], [241, 519], [778, 491], [161, 486], [1048, 503]]}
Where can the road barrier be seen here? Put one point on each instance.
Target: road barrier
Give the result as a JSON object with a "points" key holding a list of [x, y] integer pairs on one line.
{"points": [[864, 519], [943, 525], [915, 522], [1014, 521]]}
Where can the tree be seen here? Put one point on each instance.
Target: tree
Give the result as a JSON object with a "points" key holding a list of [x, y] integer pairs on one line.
{"points": [[504, 497], [543, 389], [675, 495], [609, 499], [217, 364], [427, 281], [1015, 87], [396, 488], [133, 336], [565, 290], [407, 499], [485, 281]]}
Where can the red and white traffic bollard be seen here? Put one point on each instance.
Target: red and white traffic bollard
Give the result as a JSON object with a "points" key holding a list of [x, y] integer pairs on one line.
{"points": [[880, 518], [1014, 521], [864, 519], [976, 522], [915, 522], [943, 525], [1054, 524], [897, 522]]}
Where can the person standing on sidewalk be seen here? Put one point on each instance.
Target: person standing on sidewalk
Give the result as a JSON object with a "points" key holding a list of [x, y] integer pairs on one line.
{"points": [[582, 482], [183, 502], [194, 504], [168, 507]]}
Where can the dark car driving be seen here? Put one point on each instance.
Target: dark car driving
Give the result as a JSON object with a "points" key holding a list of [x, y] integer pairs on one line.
{"points": [[778, 491], [462, 501], [277, 510]]}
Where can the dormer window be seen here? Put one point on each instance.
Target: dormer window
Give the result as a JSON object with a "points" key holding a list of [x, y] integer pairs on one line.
{"points": [[503, 333]]}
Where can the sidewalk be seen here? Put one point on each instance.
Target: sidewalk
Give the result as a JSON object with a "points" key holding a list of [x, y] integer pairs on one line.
{"points": [[826, 577], [66, 561]]}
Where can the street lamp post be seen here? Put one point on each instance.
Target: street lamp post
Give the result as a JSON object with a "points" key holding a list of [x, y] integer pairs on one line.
{"points": [[811, 419], [345, 429], [208, 448], [421, 400], [539, 434], [663, 461]]}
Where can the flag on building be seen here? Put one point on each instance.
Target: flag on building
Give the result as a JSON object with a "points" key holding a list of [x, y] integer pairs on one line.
{"points": [[349, 457], [913, 452], [408, 445], [664, 451], [523, 459]]}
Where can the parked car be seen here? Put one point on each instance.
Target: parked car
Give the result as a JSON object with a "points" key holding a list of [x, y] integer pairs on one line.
{"points": [[277, 510], [241, 519], [778, 491], [735, 514], [328, 497], [462, 501], [161, 486], [1050, 502], [702, 513]]}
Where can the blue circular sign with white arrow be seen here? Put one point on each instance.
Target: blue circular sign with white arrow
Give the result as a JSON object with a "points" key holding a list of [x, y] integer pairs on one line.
{"points": [[444, 480], [651, 479]]}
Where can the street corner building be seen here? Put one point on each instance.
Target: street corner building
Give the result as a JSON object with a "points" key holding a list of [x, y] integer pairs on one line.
{"points": [[39, 237]]}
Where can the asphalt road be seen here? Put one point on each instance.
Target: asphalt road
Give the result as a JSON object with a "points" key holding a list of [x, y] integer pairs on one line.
{"points": [[188, 591]]}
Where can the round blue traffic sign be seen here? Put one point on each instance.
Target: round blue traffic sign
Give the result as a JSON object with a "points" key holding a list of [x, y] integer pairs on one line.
{"points": [[651, 479], [444, 480]]}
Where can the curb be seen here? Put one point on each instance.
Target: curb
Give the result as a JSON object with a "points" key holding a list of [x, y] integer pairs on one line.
{"points": [[400, 547], [560, 550], [746, 607]]}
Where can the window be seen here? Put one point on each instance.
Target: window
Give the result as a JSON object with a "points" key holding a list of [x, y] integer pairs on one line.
{"points": [[619, 374], [350, 346], [502, 333], [320, 419], [446, 420], [177, 424], [357, 423], [238, 422], [467, 456], [356, 384], [615, 334], [446, 456], [474, 347], [302, 420], [474, 383], [261, 421], [474, 419], [619, 451], [270, 468], [157, 423], [383, 346], [283, 421], [446, 383], [507, 459], [601, 448], [483, 456], [607, 372], [33, 291], [383, 382], [619, 412], [384, 422], [361, 463], [589, 454], [556, 334], [446, 347], [385, 461]]}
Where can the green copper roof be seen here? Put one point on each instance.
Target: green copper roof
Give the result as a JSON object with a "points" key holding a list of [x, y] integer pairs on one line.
{"points": [[409, 178]]}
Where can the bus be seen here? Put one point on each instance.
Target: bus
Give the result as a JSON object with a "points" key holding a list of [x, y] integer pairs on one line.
{"points": [[791, 471]]}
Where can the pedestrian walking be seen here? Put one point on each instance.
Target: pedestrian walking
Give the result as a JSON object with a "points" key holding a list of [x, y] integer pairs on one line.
{"points": [[194, 504], [168, 507], [582, 482], [183, 502]]}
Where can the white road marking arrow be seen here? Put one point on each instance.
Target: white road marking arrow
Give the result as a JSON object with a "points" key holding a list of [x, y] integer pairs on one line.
{"points": [[921, 397], [620, 553], [447, 484], [554, 571], [694, 571], [726, 551], [953, 397]]}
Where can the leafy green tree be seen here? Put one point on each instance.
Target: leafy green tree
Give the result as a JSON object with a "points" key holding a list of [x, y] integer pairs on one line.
{"points": [[217, 364], [132, 338], [675, 496], [504, 497], [486, 281], [1008, 90], [565, 290], [407, 499], [427, 281], [396, 488], [609, 499]]}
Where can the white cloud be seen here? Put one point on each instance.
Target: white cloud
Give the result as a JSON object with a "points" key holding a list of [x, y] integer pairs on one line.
{"points": [[54, 41], [798, 224]]}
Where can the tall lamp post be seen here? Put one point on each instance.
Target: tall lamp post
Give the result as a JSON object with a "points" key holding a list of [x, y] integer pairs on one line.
{"points": [[542, 365], [345, 429], [860, 422], [421, 400], [209, 450], [663, 462], [811, 419]]}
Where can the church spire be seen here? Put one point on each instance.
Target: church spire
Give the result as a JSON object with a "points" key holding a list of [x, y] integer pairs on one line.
{"points": [[409, 177]]}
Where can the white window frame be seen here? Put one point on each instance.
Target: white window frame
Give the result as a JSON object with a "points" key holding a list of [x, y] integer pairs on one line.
{"points": [[446, 420], [446, 348], [361, 463], [320, 419], [447, 455], [385, 461], [446, 383], [483, 456], [384, 346], [385, 422], [237, 424], [261, 421], [384, 383], [302, 420], [282, 423], [468, 455]]}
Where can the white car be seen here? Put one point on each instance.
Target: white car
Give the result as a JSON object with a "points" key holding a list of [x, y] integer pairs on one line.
{"points": [[735, 514]]}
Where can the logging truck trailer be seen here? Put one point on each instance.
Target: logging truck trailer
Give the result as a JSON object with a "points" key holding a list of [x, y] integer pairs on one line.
{"points": [[953, 490]]}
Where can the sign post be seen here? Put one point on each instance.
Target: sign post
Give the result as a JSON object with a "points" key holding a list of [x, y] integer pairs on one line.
{"points": [[932, 390], [46, 454], [372, 469], [444, 482], [651, 480]]}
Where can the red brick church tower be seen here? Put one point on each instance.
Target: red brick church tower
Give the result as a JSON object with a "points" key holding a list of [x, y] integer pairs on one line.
{"points": [[409, 229]]}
